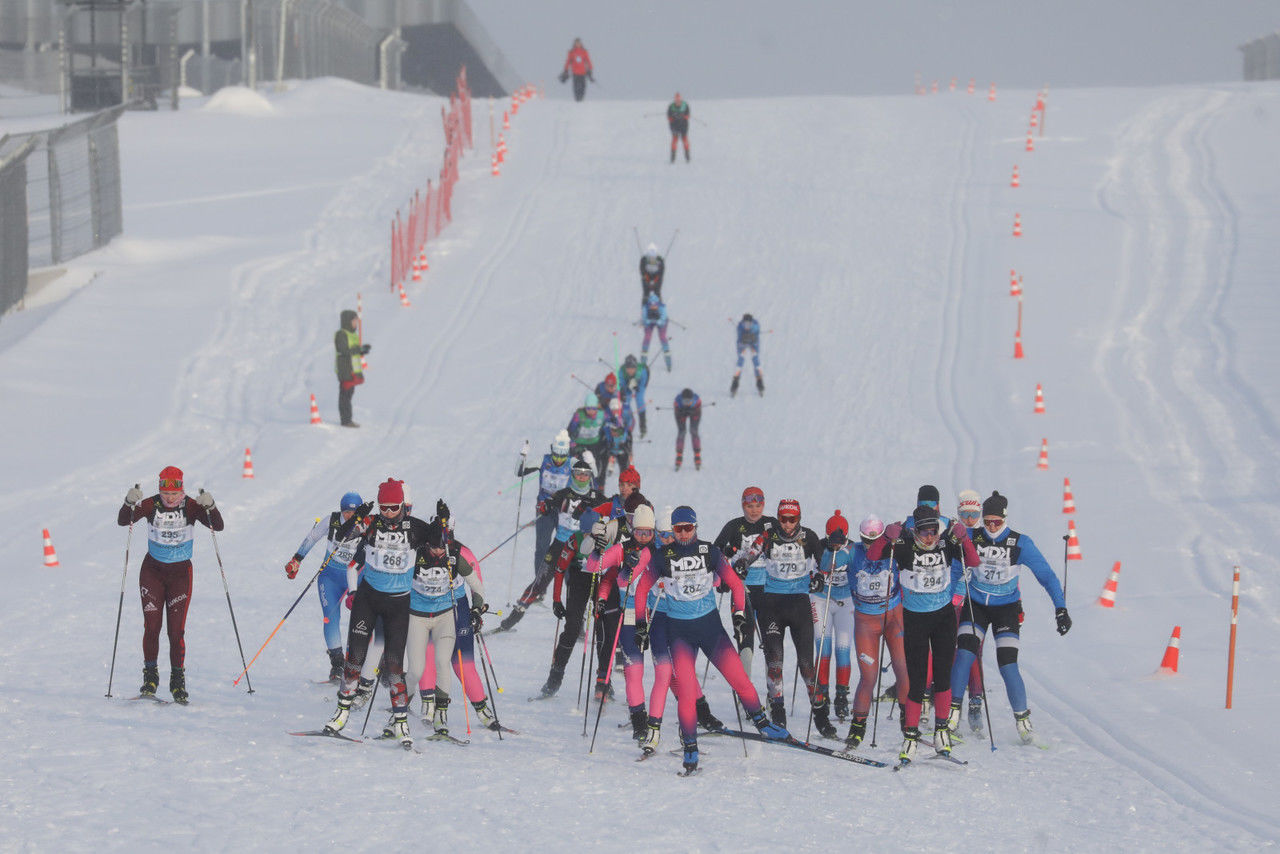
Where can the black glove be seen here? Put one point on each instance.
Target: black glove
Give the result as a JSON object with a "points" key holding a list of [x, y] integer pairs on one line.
{"points": [[564, 75], [642, 635], [817, 583], [364, 509], [557, 608], [600, 606], [442, 512], [739, 627], [364, 349], [477, 618], [1064, 620], [591, 77]]}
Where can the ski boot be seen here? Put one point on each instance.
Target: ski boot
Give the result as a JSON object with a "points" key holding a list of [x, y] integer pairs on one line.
{"points": [[428, 696], [364, 690], [440, 721], [639, 723], [975, 714], [953, 720], [778, 711], [842, 703], [178, 684], [770, 729], [910, 741], [706, 720], [604, 691], [679, 459], [690, 744], [337, 664], [339, 719], [509, 622], [733, 386], [150, 680], [822, 720], [485, 715], [554, 678], [651, 737], [1023, 721], [760, 384], [697, 460], [942, 738], [857, 732], [398, 728]]}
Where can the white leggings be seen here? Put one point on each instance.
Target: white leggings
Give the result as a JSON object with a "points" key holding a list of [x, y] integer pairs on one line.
{"points": [[440, 630]]}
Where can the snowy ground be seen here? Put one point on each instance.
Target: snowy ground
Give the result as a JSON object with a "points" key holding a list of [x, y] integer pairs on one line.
{"points": [[872, 236]]}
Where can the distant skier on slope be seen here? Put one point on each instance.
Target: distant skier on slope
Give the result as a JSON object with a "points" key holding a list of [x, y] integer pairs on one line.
{"points": [[678, 122], [748, 342], [553, 475], [586, 432], [654, 316], [688, 410], [578, 63], [653, 267], [635, 379]]}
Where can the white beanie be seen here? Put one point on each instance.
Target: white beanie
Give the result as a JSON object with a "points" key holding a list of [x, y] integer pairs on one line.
{"points": [[969, 500], [643, 517]]}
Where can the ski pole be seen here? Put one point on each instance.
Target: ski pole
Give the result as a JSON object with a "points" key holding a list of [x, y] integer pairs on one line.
{"points": [[511, 579], [822, 641], [1066, 554], [636, 231], [373, 695], [678, 323], [245, 672], [484, 668], [519, 482], [120, 608], [596, 638], [672, 243], [586, 384], [485, 647], [982, 678], [507, 540], [226, 589], [582, 671]]}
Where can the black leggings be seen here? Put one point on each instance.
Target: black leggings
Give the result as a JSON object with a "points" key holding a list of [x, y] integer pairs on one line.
{"points": [[922, 632], [367, 606], [778, 612], [578, 596], [579, 86]]}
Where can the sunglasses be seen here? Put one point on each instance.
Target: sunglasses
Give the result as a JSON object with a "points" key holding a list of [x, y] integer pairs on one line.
{"points": [[644, 533], [390, 508], [969, 514], [926, 532], [170, 483], [993, 521], [683, 528], [789, 520]]}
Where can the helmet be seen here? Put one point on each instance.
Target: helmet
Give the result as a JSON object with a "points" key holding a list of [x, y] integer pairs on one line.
{"points": [[663, 522], [615, 404], [684, 515], [643, 518], [611, 380], [871, 527], [351, 501], [630, 475], [560, 445], [591, 401], [788, 507]]}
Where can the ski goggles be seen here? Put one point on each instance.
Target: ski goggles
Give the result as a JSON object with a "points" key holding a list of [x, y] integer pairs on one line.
{"points": [[684, 528], [994, 522], [643, 534], [753, 497], [390, 509], [927, 532], [170, 484], [970, 517]]}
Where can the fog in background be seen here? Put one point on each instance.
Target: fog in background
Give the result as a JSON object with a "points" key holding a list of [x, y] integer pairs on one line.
{"points": [[744, 48]]}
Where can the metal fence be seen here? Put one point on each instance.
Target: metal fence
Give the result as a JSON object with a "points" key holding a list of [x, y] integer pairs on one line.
{"points": [[1262, 58], [59, 196]]}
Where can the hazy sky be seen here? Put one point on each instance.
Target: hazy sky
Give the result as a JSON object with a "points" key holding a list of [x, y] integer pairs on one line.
{"points": [[739, 48]]}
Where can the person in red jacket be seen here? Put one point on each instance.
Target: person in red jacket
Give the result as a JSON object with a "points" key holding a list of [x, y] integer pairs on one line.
{"points": [[578, 63]]}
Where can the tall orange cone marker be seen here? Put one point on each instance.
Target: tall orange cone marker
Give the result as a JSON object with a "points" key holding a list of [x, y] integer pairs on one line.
{"points": [[1039, 410], [1169, 664], [1043, 462], [991, 96], [506, 122], [248, 465], [496, 171], [1017, 345], [1068, 500], [1107, 598], [422, 259], [1015, 285], [1017, 225], [50, 556], [1073, 544], [1031, 142], [972, 84], [1014, 182], [404, 297], [315, 411]]}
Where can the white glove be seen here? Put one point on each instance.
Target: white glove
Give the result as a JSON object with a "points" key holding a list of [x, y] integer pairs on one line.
{"points": [[133, 496], [600, 533], [205, 500]]}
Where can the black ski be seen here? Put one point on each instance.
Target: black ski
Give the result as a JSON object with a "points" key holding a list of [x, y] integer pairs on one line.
{"points": [[792, 741], [949, 758], [497, 727], [328, 734], [542, 697], [152, 697], [440, 736]]}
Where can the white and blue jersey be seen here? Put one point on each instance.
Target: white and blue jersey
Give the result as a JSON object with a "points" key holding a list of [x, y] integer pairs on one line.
{"points": [[789, 562], [927, 576], [551, 477], [170, 533], [873, 583], [995, 579], [338, 553], [689, 576], [654, 312]]}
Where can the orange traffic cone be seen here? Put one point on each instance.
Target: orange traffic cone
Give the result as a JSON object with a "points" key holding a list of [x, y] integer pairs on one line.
{"points": [[972, 84], [1043, 462], [417, 270], [1033, 118], [1107, 598], [496, 170], [1017, 345], [1068, 500], [50, 556], [1014, 182], [953, 85], [506, 122], [1039, 408], [404, 298], [1017, 225], [502, 149], [1073, 544], [1169, 664], [1031, 142], [248, 465], [422, 260], [315, 411], [1014, 289], [991, 96]]}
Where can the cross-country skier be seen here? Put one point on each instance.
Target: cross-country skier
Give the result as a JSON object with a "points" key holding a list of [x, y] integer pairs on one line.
{"points": [[586, 433], [748, 342], [331, 583], [635, 379], [578, 63], [164, 579], [925, 561], [690, 569], [791, 555], [386, 552], [654, 316], [678, 121], [877, 602], [969, 512], [607, 390], [618, 431], [688, 411], [652, 268], [994, 601], [832, 608], [742, 541], [553, 476]]}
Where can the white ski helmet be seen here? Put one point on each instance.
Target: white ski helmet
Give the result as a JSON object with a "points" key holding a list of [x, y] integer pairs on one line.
{"points": [[560, 445]]}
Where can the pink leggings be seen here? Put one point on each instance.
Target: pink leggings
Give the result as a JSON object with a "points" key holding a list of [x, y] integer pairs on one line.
{"points": [[867, 630]]}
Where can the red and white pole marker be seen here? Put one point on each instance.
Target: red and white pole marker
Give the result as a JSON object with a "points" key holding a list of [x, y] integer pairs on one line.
{"points": [[248, 465], [1231, 644], [1014, 182]]}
